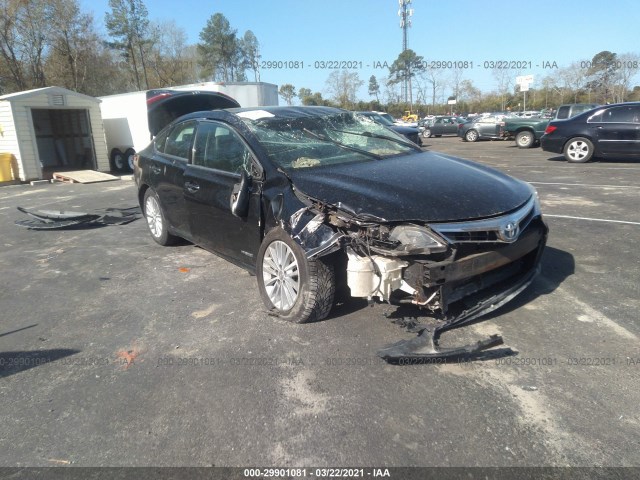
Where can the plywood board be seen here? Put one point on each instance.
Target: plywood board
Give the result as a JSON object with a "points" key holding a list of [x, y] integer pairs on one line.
{"points": [[83, 176]]}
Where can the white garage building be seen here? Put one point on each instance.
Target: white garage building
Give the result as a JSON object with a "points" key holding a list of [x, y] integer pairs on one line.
{"points": [[52, 129]]}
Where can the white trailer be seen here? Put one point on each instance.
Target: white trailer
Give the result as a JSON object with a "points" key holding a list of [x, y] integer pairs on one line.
{"points": [[131, 120]]}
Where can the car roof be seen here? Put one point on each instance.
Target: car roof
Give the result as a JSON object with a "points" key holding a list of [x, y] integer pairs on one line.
{"points": [[290, 112]]}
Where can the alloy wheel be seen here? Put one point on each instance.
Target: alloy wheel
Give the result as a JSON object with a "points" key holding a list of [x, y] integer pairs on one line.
{"points": [[154, 216], [281, 275]]}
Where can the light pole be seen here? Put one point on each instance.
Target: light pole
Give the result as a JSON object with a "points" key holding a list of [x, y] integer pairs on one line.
{"points": [[405, 14]]}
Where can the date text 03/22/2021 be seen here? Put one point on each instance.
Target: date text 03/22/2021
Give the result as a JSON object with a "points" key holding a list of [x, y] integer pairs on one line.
{"points": [[417, 65]]}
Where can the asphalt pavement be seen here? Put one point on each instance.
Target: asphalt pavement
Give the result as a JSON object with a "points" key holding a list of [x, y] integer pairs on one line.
{"points": [[115, 351]]}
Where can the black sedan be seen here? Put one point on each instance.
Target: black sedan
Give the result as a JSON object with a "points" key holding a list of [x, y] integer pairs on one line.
{"points": [[411, 133], [605, 131], [315, 198]]}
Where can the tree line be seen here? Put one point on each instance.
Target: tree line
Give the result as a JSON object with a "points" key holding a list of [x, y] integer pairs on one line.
{"points": [[605, 78], [54, 42]]}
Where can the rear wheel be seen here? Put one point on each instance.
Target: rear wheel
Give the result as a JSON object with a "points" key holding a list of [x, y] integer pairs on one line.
{"points": [[292, 286], [578, 150], [471, 136], [525, 139], [156, 220]]}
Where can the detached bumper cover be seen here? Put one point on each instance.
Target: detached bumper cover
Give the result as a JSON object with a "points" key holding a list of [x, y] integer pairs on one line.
{"points": [[425, 345], [471, 287]]}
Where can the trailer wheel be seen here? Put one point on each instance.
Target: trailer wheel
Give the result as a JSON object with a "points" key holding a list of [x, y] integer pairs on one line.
{"points": [[128, 157], [117, 160]]}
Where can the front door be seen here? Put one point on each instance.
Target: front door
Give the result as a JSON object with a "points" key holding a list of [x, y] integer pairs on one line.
{"points": [[219, 157]]}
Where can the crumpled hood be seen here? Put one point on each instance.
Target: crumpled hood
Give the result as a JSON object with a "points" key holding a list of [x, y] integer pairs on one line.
{"points": [[428, 187]]}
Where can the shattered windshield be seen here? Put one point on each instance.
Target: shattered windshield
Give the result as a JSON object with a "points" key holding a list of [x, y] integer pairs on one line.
{"points": [[317, 140]]}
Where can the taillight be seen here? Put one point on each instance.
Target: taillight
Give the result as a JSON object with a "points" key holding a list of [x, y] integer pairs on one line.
{"points": [[550, 129], [155, 98]]}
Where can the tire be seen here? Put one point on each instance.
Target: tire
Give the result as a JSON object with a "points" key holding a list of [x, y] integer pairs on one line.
{"points": [[426, 133], [578, 150], [128, 159], [525, 139], [310, 284], [156, 221], [117, 161], [471, 136]]}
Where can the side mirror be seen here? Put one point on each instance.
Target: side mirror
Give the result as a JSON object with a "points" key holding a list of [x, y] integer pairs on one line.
{"points": [[239, 201]]}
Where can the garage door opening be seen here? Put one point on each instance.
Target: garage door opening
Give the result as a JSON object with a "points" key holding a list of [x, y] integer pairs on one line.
{"points": [[64, 140]]}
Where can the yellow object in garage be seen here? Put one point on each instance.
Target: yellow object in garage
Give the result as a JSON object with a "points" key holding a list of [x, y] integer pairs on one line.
{"points": [[5, 167]]}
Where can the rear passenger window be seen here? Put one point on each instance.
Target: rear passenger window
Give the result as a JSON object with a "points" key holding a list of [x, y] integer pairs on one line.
{"points": [[621, 115], [218, 146], [563, 112], [179, 140], [160, 141]]}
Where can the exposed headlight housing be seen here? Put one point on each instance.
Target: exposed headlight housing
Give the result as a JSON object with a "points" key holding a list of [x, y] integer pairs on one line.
{"points": [[415, 239]]}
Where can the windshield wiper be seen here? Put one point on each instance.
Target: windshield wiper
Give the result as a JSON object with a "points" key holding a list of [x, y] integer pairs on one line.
{"points": [[383, 137], [324, 138]]}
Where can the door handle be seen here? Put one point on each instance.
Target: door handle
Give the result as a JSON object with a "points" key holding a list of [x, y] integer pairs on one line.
{"points": [[191, 187]]}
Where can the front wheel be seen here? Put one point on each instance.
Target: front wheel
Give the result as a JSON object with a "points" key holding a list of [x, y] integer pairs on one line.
{"points": [[426, 133], [578, 150], [525, 139], [471, 136], [292, 286]]}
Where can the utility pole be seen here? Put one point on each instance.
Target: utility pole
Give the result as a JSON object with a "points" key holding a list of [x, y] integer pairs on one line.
{"points": [[405, 13]]}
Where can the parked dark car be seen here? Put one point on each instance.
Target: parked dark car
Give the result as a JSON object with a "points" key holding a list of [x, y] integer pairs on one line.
{"points": [[310, 198], [438, 126], [482, 128], [606, 131], [528, 131], [411, 133]]}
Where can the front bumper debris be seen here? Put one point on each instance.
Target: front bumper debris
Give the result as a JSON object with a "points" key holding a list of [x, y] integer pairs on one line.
{"points": [[425, 346], [51, 220]]}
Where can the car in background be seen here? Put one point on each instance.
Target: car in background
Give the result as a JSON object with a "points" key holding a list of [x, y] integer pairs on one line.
{"points": [[606, 131], [572, 109], [387, 116], [528, 131], [410, 133], [438, 126], [482, 128], [309, 197]]}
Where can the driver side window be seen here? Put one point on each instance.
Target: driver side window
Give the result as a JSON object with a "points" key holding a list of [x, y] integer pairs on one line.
{"points": [[219, 147]]}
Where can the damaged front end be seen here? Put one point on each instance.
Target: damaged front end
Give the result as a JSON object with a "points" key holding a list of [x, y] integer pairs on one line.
{"points": [[457, 271]]}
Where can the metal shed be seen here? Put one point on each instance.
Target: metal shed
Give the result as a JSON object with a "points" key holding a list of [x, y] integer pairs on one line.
{"points": [[52, 129]]}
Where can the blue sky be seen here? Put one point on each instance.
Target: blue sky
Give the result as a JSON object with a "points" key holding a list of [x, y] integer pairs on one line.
{"points": [[367, 31]]}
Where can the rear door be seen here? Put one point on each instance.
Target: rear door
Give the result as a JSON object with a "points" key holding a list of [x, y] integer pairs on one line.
{"points": [[166, 171], [489, 127], [618, 131], [450, 126], [219, 156]]}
